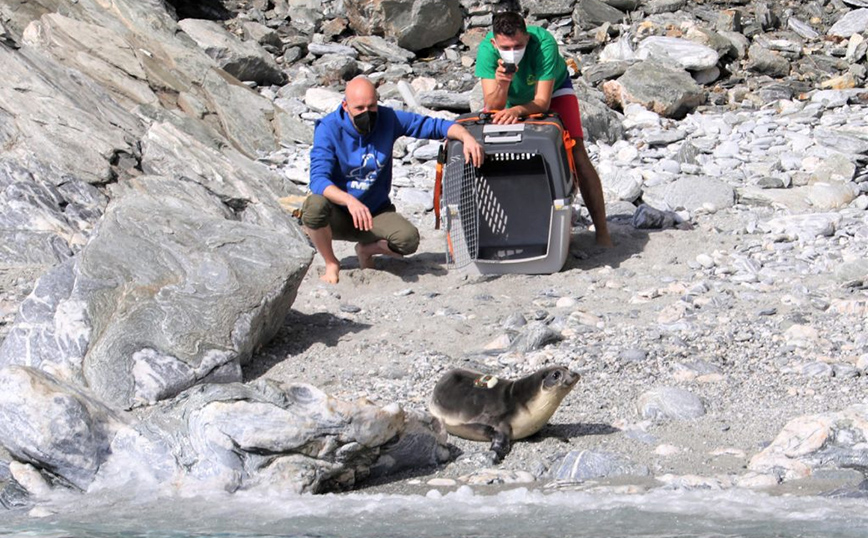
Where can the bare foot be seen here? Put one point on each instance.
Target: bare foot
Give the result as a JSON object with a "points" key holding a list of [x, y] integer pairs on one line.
{"points": [[367, 252], [332, 274], [605, 241]]}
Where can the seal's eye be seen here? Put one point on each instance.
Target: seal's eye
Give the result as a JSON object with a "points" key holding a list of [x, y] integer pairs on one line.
{"points": [[556, 375]]}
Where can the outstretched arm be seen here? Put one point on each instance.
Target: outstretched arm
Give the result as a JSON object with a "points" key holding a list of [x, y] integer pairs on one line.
{"points": [[473, 151]]}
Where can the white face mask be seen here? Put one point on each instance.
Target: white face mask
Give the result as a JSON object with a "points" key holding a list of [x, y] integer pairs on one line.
{"points": [[511, 56]]}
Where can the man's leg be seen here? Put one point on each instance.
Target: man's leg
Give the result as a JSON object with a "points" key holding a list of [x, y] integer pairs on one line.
{"points": [[392, 235], [318, 216], [565, 103], [592, 193]]}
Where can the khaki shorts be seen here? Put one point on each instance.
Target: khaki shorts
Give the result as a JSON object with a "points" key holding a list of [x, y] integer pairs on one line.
{"points": [[402, 236]]}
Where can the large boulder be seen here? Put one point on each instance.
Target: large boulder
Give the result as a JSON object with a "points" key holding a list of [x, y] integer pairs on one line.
{"points": [[663, 88], [172, 290], [413, 24], [278, 438]]}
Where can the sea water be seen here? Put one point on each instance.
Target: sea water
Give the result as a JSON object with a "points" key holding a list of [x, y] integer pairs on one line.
{"points": [[463, 513]]}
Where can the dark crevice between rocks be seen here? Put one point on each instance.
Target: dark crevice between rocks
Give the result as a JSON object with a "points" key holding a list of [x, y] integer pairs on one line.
{"points": [[200, 9], [125, 164]]}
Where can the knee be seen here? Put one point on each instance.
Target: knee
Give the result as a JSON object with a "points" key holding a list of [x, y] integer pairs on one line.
{"points": [[405, 241], [315, 212]]}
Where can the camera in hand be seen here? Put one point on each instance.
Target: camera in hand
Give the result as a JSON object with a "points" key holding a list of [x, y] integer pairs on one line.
{"points": [[510, 68]]}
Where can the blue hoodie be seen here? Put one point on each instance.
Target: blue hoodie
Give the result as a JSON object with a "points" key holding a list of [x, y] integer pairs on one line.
{"points": [[362, 165]]}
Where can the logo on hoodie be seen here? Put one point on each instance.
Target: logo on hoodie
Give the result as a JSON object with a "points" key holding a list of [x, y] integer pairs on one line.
{"points": [[366, 174]]}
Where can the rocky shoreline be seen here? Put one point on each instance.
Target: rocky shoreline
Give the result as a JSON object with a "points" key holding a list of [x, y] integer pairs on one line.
{"points": [[157, 299]]}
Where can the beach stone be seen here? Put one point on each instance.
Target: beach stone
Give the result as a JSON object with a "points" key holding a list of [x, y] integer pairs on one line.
{"points": [[810, 443], [766, 62], [497, 476], [413, 24], [623, 183], [668, 91], [825, 196], [691, 193], [245, 60], [322, 99], [803, 227], [853, 22], [581, 465], [684, 53], [669, 403]]}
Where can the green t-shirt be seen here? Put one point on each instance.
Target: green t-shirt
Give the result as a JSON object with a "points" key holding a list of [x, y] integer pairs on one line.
{"points": [[542, 61]]}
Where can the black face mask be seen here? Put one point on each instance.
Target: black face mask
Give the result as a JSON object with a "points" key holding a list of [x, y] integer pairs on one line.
{"points": [[365, 121]]}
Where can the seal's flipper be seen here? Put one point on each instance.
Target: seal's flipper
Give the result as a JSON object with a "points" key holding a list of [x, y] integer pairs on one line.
{"points": [[500, 445]]}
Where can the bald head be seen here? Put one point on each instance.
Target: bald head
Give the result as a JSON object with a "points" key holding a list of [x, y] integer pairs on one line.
{"points": [[360, 96]]}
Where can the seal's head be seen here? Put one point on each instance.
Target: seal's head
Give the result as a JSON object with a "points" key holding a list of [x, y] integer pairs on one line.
{"points": [[558, 379]]}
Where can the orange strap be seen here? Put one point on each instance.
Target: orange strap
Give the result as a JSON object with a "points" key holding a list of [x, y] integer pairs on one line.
{"points": [[438, 192]]}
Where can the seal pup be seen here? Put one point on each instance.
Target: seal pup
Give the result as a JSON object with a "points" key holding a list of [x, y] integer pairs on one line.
{"points": [[481, 407]]}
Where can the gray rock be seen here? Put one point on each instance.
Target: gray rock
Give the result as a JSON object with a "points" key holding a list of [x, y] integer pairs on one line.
{"points": [[853, 22], [669, 403], [691, 193], [380, 48], [599, 122], [321, 49], [53, 425], [581, 465], [802, 28], [537, 335], [336, 67], [259, 33], [668, 91], [766, 62], [589, 14], [445, 100], [655, 7], [245, 60], [550, 8], [413, 24], [604, 71]]}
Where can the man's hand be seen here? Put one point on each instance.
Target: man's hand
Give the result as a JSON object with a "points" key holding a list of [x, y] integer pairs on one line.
{"points": [[362, 218], [506, 116], [501, 76], [473, 151]]}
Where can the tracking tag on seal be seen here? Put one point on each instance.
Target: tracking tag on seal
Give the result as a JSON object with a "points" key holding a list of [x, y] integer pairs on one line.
{"points": [[485, 382]]}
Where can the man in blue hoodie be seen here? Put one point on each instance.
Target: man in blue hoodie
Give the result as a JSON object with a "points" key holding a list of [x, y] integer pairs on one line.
{"points": [[351, 176]]}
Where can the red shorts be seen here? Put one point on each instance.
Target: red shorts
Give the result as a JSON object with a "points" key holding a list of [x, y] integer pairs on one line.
{"points": [[565, 103]]}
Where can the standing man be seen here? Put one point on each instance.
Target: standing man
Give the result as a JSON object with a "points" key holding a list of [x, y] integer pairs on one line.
{"points": [[351, 177], [523, 73]]}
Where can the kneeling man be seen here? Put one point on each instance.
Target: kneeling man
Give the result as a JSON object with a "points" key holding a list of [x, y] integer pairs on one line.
{"points": [[351, 176]]}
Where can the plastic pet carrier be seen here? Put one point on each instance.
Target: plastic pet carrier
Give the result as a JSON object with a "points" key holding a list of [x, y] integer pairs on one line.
{"points": [[512, 215]]}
